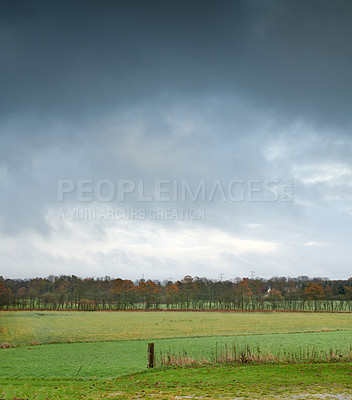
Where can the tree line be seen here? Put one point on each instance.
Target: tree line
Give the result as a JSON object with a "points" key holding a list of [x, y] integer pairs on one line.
{"points": [[89, 294]]}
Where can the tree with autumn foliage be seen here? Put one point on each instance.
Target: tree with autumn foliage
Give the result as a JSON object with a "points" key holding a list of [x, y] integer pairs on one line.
{"points": [[348, 292], [187, 288], [244, 292], [149, 292], [275, 294], [5, 295], [124, 292], [172, 292], [314, 291], [274, 297]]}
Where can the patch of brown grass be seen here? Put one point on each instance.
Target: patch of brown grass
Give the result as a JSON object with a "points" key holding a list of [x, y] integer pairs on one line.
{"points": [[246, 356], [6, 345]]}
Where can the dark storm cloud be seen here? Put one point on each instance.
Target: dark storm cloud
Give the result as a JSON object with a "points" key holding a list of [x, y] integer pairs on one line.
{"points": [[177, 89], [84, 58], [74, 57]]}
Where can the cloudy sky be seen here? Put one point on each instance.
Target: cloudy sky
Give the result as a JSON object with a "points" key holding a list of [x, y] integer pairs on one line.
{"points": [[108, 94]]}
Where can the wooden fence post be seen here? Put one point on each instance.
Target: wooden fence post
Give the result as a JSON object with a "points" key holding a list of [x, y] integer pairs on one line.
{"points": [[150, 355]]}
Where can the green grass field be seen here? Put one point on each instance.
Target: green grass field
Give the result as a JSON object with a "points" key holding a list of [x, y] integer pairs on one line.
{"points": [[22, 328], [94, 354], [295, 381], [112, 359]]}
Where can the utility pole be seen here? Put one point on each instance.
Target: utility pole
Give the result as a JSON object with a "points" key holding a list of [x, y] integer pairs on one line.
{"points": [[221, 275], [252, 274]]}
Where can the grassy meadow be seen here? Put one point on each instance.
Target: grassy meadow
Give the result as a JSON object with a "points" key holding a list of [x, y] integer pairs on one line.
{"points": [[23, 328], [295, 381], [112, 359], [104, 354]]}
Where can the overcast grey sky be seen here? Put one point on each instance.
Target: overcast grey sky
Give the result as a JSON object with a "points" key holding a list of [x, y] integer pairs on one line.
{"points": [[196, 91]]}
